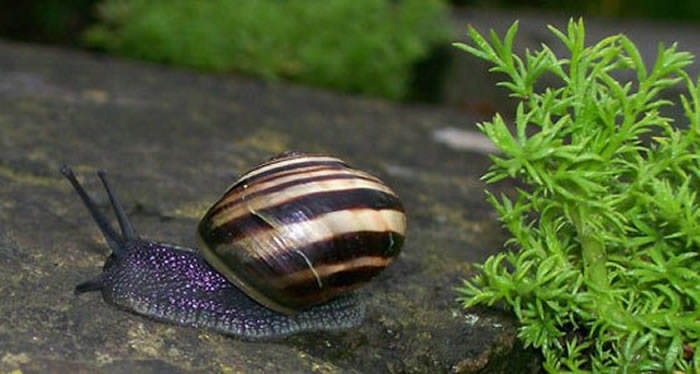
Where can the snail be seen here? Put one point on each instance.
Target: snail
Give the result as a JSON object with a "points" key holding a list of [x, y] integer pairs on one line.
{"points": [[279, 252]]}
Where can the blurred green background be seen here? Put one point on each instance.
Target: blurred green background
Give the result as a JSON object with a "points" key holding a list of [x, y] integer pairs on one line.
{"points": [[397, 49]]}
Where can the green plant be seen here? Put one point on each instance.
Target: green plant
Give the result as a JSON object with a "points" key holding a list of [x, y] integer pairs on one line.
{"points": [[606, 276], [363, 46]]}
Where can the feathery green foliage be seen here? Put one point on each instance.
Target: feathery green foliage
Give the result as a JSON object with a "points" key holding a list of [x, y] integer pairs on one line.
{"points": [[358, 46], [606, 276]]}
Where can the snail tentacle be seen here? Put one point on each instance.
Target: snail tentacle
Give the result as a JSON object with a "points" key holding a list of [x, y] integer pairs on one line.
{"points": [[115, 242], [95, 284], [128, 231]]}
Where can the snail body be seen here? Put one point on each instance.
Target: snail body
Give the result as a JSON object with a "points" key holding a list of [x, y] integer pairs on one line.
{"points": [[279, 252]]}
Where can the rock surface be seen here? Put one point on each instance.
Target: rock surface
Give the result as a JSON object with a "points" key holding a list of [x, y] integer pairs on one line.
{"points": [[173, 140]]}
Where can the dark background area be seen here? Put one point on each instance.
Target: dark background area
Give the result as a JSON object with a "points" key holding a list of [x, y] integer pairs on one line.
{"points": [[49, 21], [63, 21]]}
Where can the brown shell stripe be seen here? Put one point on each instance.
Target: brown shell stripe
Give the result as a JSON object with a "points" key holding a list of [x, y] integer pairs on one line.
{"points": [[336, 281], [304, 168], [376, 230], [293, 159], [361, 258], [366, 227], [353, 192], [286, 164], [263, 179], [283, 181], [320, 213], [351, 245], [345, 272]]}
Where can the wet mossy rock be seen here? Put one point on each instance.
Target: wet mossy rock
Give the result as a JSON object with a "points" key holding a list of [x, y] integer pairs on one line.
{"points": [[172, 141]]}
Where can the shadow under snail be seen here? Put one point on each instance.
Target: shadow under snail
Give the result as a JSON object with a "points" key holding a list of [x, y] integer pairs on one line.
{"points": [[278, 252]]}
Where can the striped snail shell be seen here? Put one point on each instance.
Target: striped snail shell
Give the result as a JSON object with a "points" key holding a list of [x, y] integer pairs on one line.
{"points": [[300, 229]]}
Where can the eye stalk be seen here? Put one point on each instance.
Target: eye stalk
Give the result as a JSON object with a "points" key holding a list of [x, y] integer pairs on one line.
{"points": [[117, 243], [128, 232]]}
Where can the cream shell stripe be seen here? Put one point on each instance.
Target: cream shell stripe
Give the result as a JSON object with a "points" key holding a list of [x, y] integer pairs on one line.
{"points": [[289, 177], [286, 163], [243, 206], [323, 228]]}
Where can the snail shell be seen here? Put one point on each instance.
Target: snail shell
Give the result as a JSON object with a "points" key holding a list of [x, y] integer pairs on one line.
{"points": [[300, 229]]}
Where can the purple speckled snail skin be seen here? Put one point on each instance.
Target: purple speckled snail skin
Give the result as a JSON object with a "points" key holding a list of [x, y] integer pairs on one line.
{"points": [[279, 252]]}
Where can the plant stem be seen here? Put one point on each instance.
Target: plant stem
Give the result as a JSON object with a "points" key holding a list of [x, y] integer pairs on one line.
{"points": [[595, 272], [593, 253]]}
